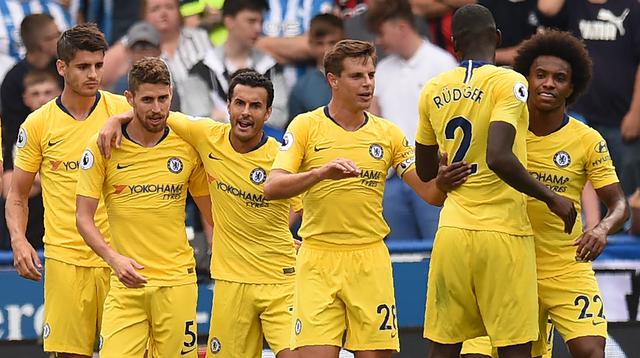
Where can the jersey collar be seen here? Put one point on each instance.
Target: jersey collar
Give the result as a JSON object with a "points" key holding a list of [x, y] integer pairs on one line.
{"points": [[65, 110], [326, 113], [126, 134]]}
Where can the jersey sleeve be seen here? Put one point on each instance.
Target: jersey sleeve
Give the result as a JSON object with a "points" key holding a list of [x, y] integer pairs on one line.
{"points": [[425, 134], [598, 165], [510, 96], [294, 144], [403, 153], [29, 145], [191, 129], [198, 180], [92, 172]]}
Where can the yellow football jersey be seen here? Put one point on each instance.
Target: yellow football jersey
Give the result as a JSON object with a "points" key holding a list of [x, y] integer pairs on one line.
{"points": [[252, 242], [51, 142], [347, 211], [564, 160], [455, 111], [145, 190]]}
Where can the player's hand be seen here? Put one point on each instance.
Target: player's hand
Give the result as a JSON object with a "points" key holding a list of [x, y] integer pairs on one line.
{"points": [[126, 270], [451, 176], [565, 209], [111, 133], [339, 169], [26, 260], [590, 244], [296, 244]]}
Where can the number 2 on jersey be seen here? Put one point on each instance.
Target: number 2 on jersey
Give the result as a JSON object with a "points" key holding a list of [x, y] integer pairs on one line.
{"points": [[465, 143]]}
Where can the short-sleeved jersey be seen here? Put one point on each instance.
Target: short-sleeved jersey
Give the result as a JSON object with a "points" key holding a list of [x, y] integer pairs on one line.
{"points": [[252, 242], [51, 142], [145, 189], [348, 211], [455, 111], [563, 161]]}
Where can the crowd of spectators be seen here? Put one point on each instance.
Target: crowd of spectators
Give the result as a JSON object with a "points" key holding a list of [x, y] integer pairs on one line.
{"points": [[205, 41]]}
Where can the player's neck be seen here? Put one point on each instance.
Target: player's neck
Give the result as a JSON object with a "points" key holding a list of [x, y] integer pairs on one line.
{"points": [[245, 147], [542, 123], [486, 55], [348, 118], [78, 106], [140, 135]]}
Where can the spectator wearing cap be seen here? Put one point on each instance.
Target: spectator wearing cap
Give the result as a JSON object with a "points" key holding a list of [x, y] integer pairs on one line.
{"points": [[180, 47], [143, 41]]}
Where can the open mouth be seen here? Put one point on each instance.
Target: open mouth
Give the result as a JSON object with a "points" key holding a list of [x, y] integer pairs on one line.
{"points": [[365, 96], [243, 124], [547, 95]]}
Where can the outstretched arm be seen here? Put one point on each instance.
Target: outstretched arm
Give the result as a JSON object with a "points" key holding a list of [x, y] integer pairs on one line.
{"points": [[281, 184], [591, 243], [505, 164]]}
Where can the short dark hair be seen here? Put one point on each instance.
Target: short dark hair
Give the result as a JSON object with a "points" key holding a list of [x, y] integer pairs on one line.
{"points": [[233, 7], [84, 37], [251, 78], [323, 24], [149, 70], [35, 77], [334, 58], [31, 30], [562, 45], [473, 27], [384, 10]]}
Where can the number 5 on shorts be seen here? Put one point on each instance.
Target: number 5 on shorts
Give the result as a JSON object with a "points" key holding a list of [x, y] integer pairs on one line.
{"points": [[190, 340]]}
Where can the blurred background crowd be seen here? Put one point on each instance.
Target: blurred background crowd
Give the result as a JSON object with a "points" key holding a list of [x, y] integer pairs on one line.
{"points": [[205, 41]]}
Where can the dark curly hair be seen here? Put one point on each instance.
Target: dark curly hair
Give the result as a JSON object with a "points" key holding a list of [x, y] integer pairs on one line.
{"points": [[83, 37], [559, 44]]}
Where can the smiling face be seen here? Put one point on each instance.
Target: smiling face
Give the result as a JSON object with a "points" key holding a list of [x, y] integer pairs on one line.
{"points": [[549, 83], [248, 112], [356, 82], [83, 74], [150, 102]]}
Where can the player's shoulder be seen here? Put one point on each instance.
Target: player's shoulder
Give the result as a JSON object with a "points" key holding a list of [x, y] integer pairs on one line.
{"points": [[583, 133], [384, 128], [505, 74], [47, 113], [112, 98], [311, 118]]}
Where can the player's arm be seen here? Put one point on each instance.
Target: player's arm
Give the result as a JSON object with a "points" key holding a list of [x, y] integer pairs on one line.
{"points": [[282, 184], [25, 257], [591, 243], [448, 178], [505, 164], [110, 134], [203, 202], [124, 267]]}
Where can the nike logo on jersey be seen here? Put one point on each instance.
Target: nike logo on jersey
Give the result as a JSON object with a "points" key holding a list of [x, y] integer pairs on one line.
{"points": [[121, 166], [51, 144], [183, 351], [212, 157], [317, 149], [597, 323]]}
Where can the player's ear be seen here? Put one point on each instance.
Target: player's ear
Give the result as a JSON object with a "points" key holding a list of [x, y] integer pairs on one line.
{"points": [[129, 96], [61, 66], [332, 80], [498, 38]]}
